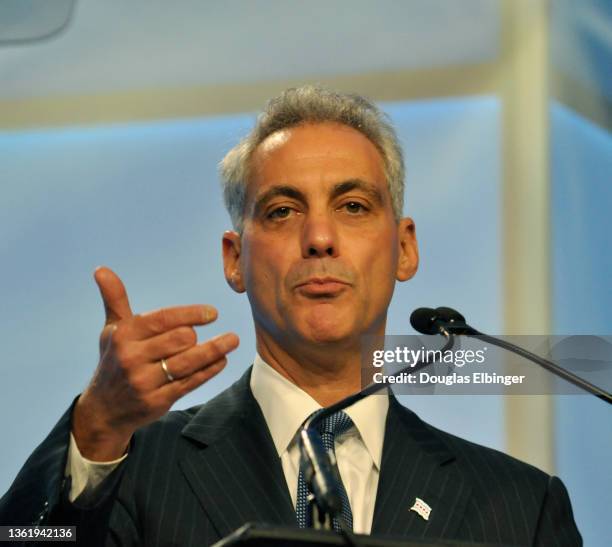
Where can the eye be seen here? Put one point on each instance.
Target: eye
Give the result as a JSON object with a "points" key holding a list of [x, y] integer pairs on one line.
{"points": [[354, 207], [279, 213]]}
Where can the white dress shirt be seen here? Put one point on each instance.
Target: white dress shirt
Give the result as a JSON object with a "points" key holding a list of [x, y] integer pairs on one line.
{"points": [[285, 407]]}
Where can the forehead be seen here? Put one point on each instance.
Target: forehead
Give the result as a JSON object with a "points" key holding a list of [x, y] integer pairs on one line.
{"points": [[315, 155]]}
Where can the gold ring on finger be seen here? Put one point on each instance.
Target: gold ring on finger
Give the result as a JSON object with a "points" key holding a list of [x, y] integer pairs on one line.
{"points": [[164, 367]]}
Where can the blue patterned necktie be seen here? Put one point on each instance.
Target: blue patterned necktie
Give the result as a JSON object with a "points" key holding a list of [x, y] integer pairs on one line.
{"points": [[329, 428]]}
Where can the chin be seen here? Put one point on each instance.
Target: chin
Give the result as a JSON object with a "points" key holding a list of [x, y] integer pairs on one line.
{"points": [[326, 337], [329, 327]]}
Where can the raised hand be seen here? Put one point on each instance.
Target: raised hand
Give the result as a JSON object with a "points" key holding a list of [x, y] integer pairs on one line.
{"points": [[130, 388]]}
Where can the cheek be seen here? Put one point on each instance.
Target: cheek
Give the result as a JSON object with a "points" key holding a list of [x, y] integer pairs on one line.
{"points": [[261, 265], [381, 266]]}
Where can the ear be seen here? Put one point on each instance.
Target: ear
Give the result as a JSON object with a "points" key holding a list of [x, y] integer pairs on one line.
{"points": [[231, 260], [408, 260]]}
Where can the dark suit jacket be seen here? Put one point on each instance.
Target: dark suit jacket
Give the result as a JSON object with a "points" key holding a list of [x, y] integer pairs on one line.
{"points": [[196, 475]]}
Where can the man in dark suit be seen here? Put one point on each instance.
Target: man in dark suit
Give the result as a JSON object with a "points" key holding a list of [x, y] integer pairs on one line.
{"points": [[315, 193]]}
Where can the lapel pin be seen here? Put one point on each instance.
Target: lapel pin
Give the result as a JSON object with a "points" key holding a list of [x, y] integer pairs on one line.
{"points": [[421, 508]]}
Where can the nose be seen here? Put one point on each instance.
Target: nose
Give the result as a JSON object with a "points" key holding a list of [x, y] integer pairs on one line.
{"points": [[319, 238]]}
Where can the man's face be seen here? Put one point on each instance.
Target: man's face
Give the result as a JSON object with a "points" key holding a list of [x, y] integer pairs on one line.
{"points": [[321, 249]]}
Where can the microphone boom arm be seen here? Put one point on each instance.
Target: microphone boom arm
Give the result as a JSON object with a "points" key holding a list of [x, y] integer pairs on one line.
{"points": [[545, 363], [453, 322]]}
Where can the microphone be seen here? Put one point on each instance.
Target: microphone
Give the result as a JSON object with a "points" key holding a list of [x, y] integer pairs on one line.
{"points": [[320, 474], [428, 321], [447, 320], [450, 315], [440, 321]]}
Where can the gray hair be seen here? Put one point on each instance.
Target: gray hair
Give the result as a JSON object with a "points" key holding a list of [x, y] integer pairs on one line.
{"points": [[314, 104]]}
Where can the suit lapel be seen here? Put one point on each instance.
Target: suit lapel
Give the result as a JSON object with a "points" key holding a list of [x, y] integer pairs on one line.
{"points": [[417, 464], [232, 465]]}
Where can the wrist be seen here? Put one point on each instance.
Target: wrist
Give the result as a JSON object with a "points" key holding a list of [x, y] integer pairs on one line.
{"points": [[95, 439]]}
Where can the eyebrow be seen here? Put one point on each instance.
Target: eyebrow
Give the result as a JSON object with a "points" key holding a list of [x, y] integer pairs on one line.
{"points": [[338, 189], [372, 191]]}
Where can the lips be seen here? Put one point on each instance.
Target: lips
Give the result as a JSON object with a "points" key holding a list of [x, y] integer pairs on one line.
{"points": [[322, 286]]}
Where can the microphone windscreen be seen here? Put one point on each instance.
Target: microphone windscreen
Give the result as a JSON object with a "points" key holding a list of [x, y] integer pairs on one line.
{"points": [[449, 315], [423, 320]]}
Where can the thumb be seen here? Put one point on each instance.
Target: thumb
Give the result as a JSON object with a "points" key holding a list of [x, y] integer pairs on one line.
{"points": [[114, 295]]}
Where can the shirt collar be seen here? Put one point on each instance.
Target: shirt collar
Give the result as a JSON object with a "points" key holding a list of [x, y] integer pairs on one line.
{"points": [[285, 406]]}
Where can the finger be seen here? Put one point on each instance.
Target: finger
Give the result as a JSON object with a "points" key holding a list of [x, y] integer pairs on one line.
{"points": [[173, 391], [157, 322], [169, 343], [198, 357], [114, 295]]}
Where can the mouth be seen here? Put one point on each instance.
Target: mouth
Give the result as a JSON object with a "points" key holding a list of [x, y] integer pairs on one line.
{"points": [[321, 287]]}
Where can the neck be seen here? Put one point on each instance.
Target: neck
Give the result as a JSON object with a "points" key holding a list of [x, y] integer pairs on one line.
{"points": [[328, 373]]}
